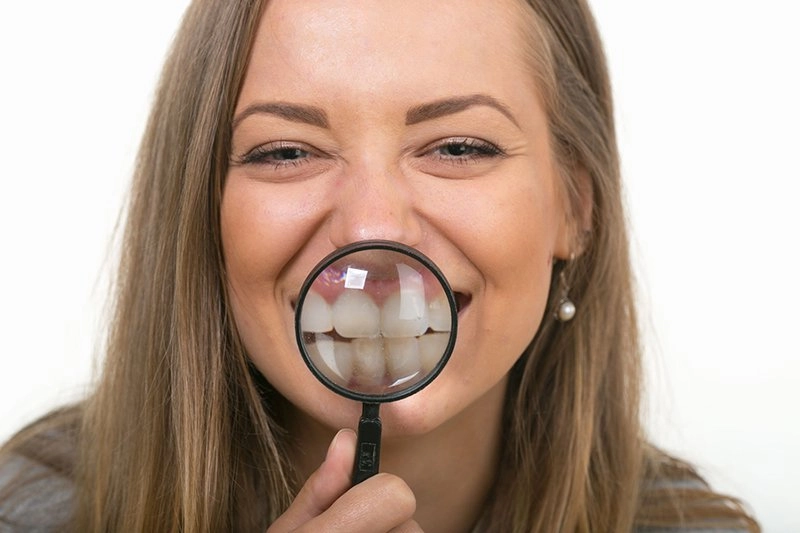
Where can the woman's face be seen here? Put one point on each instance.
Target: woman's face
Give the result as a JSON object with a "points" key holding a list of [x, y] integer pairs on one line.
{"points": [[400, 121]]}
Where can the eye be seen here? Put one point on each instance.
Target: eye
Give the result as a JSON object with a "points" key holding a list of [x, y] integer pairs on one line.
{"points": [[276, 154], [464, 150]]}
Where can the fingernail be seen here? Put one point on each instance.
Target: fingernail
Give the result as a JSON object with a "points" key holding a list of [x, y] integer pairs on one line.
{"points": [[332, 445]]}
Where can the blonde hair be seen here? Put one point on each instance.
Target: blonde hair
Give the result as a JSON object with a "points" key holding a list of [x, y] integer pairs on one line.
{"points": [[182, 434]]}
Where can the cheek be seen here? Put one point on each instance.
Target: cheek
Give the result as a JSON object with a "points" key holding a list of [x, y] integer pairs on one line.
{"points": [[261, 234], [266, 230], [260, 230], [509, 232], [509, 236]]}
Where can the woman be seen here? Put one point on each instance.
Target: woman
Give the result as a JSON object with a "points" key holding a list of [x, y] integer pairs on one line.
{"points": [[480, 134]]}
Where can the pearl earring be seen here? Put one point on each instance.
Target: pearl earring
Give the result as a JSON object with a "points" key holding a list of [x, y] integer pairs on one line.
{"points": [[565, 310]]}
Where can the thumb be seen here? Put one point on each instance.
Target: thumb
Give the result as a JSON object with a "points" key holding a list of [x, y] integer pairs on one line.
{"points": [[326, 484]]}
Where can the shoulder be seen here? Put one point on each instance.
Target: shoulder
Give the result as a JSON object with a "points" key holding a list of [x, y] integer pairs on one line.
{"points": [[680, 494], [675, 499], [36, 475], [687, 530], [33, 497]]}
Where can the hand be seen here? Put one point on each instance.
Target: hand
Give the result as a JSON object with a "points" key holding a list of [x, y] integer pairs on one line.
{"points": [[328, 502]]}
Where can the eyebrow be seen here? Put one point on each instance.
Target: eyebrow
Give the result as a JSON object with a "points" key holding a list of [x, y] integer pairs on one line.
{"points": [[450, 106], [292, 112], [317, 117]]}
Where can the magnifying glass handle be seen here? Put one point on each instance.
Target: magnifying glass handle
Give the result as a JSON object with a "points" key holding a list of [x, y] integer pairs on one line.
{"points": [[368, 447]]}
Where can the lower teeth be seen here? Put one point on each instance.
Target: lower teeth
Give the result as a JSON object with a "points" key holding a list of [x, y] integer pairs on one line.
{"points": [[373, 363]]}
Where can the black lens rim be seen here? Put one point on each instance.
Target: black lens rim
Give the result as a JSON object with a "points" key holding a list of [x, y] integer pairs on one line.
{"points": [[376, 245]]}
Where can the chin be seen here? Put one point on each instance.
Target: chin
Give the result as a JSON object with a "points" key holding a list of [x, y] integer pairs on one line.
{"points": [[412, 416], [416, 415]]}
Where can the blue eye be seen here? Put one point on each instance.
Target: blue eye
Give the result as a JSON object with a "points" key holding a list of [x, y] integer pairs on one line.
{"points": [[275, 154], [457, 150], [287, 154], [465, 149]]}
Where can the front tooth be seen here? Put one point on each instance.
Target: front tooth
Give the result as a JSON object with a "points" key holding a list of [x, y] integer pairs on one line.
{"points": [[316, 317], [404, 314], [431, 349], [356, 315], [333, 358], [369, 362], [439, 313], [402, 359]]}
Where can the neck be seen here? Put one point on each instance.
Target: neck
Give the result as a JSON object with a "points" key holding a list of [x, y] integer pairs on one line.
{"points": [[450, 469]]}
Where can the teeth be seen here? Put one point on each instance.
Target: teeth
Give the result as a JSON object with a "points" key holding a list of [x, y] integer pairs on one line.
{"points": [[332, 358], [402, 359], [439, 314], [317, 316], [369, 363], [431, 349], [404, 314], [356, 315]]}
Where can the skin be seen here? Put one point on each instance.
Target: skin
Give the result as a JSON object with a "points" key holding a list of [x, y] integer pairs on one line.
{"points": [[332, 145]]}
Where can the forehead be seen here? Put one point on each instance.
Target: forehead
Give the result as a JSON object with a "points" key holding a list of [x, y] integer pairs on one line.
{"points": [[332, 49]]}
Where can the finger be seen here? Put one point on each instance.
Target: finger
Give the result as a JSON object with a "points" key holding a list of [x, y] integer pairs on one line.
{"points": [[326, 484], [376, 505], [409, 527]]}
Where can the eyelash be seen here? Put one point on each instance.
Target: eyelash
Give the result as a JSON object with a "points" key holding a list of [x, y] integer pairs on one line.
{"points": [[477, 148], [278, 154], [268, 154]]}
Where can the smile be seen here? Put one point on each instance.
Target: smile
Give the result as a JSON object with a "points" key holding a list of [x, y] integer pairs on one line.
{"points": [[376, 344]]}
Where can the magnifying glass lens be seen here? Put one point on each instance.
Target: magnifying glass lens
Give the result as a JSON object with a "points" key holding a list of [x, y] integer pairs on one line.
{"points": [[376, 321]]}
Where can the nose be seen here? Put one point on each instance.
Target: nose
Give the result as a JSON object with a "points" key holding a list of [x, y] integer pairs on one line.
{"points": [[374, 203]]}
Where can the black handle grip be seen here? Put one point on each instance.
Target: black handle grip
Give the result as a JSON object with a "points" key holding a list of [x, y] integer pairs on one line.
{"points": [[368, 446]]}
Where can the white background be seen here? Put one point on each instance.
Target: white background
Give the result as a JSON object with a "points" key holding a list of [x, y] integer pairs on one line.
{"points": [[708, 125]]}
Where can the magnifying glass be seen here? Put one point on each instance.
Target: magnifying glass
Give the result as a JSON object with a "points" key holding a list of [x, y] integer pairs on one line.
{"points": [[375, 321]]}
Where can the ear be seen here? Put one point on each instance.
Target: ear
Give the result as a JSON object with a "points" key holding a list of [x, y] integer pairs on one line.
{"points": [[578, 199]]}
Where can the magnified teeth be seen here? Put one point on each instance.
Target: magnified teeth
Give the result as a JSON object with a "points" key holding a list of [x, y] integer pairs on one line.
{"points": [[431, 348], [332, 358], [317, 316], [404, 314], [356, 315], [402, 358], [369, 362], [439, 314]]}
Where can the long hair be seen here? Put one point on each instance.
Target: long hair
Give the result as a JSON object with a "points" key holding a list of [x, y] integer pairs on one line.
{"points": [[176, 436], [182, 434], [577, 459]]}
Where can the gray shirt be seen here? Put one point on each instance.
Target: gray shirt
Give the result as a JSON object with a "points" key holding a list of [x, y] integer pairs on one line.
{"points": [[44, 504]]}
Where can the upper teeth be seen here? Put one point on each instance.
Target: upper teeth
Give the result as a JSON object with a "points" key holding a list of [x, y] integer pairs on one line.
{"points": [[404, 315], [317, 316], [395, 342], [355, 315]]}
